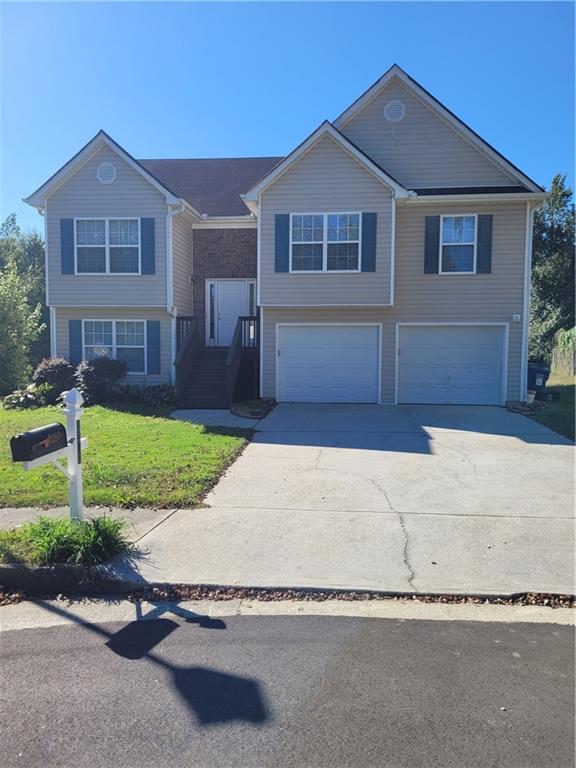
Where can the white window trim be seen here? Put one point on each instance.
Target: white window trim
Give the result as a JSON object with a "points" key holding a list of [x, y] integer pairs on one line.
{"points": [[114, 345], [325, 243], [475, 243], [107, 246]]}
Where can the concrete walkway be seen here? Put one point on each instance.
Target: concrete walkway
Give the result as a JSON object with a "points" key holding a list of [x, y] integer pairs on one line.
{"points": [[411, 499]]}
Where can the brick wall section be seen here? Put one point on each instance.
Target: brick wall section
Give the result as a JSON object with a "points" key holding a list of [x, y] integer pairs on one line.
{"points": [[220, 253]]}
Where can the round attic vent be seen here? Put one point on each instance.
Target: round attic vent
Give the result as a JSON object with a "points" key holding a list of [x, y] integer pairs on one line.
{"points": [[106, 173], [394, 111]]}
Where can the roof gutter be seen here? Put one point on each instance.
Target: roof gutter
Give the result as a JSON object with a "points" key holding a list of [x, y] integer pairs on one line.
{"points": [[509, 197]]}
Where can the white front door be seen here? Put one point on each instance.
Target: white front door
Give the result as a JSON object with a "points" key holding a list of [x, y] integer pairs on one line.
{"points": [[226, 301]]}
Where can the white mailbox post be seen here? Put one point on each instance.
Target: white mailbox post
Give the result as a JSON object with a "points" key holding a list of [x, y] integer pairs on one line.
{"points": [[46, 445], [73, 402]]}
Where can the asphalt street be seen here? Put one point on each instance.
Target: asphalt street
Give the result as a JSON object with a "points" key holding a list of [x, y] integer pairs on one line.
{"points": [[270, 692]]}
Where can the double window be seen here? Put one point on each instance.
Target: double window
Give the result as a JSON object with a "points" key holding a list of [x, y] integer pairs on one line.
{"points": [[325, 242], [458, 244], [122, 339], [107, 246]]}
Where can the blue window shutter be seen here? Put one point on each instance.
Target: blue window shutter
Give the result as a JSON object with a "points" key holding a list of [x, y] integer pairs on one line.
{"points": [[282, 241], [75, 341], [432, 245], [484, 244], [147, 247], [369, 242], [67, 246], [153, 345]]}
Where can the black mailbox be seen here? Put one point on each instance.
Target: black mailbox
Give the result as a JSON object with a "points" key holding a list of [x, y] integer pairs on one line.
{"points": [[38, 442]]}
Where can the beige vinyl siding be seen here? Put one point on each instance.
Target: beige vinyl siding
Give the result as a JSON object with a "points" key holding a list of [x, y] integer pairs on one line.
{"points": [[420, 297], [64, 314], [421, 150], [182, 262], [325, 180], [83, 195]]}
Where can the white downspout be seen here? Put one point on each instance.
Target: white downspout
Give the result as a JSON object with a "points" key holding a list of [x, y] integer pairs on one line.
{"points": [[170, 308]]}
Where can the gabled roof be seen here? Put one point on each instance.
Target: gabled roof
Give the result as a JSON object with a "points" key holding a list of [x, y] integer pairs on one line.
{"points": [[447, 115], [212, 186], [102, 139], [325, 129]]}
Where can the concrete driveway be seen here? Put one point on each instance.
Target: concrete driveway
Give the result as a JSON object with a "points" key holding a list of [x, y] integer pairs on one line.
{"points": [[426, 498]]}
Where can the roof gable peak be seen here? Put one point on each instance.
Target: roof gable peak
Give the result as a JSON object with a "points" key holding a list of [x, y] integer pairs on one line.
{"points": [[77, 161], [445, 114]]}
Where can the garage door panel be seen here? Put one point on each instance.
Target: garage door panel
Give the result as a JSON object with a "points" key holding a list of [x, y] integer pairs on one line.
{"points": [[456, 364], [328, 364]]}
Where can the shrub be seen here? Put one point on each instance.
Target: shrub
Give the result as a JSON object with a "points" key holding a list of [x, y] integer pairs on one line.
{"points": [[153, 396], [59, 540], [33, 396], [57, 372], [98, 379]]}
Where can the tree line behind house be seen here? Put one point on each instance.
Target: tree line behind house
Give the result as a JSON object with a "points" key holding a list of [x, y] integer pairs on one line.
{"points": [[24, 316]]}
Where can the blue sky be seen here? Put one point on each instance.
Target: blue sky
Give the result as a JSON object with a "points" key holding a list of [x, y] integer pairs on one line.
{"points": [[221, 80]]}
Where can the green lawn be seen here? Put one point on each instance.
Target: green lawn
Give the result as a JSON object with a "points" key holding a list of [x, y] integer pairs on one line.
{"points": [[131, 460], [559, 416]]}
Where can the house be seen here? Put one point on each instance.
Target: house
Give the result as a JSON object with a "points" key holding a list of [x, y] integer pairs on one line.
{"points": [[386, 259]]}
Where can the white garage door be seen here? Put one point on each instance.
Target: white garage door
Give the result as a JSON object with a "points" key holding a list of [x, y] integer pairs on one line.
{"points": [[451, 364], [328, 363]]}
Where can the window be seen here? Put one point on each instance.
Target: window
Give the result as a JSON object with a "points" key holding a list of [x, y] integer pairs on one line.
{"points": [[108, 246], [458, 244], [123, 339], [325, 242]]}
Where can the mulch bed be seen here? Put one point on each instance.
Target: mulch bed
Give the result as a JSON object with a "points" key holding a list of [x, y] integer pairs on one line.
{"points": [[178, 593]]}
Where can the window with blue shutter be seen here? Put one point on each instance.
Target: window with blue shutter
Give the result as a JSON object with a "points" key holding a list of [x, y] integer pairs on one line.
{"points": [[67, 246], [75, 341], [148, 247], [153, 346], [432, 245], [484, 245], [369, 221], [282, 242]]}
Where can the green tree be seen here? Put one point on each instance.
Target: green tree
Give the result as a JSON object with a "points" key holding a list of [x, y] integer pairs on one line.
{"points": [[19, 329], [25, 253], [552, 289]]}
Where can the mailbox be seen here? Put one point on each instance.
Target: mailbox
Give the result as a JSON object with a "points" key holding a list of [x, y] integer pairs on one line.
{"points": [[36, 443]]}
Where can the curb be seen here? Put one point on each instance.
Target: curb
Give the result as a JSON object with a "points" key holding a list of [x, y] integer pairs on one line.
{"points": [[79, 580]]}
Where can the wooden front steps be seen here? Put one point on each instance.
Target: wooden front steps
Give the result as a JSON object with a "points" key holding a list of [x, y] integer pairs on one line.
{"points": [[206, 386]]}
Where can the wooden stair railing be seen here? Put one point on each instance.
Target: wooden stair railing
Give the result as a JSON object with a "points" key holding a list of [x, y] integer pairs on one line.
{"points": [[246, 337], [188, 345]]}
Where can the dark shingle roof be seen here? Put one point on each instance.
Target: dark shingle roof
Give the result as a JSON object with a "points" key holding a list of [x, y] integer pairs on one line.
{"points": [[213, 185]]}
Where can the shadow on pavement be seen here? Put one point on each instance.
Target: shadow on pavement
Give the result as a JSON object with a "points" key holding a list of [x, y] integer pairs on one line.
{"points": [[215, 697]]}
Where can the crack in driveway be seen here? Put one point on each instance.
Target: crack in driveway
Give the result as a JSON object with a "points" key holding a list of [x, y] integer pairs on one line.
{"points": [[405, 555]]}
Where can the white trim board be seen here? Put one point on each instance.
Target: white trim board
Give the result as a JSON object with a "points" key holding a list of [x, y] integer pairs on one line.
{"points": [[331, 324], [472, 323]]}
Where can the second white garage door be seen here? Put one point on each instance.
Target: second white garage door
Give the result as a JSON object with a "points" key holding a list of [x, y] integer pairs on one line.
{"points": [[328, 363], [453, 364]]}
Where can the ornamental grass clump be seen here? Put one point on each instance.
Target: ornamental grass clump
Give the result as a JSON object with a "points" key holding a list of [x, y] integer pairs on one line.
{"points": [[49, 541]]}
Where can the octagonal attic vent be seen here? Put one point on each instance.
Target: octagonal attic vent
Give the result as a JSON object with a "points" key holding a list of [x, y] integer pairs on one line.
{"points": [[106, 173], [394, 111]]}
